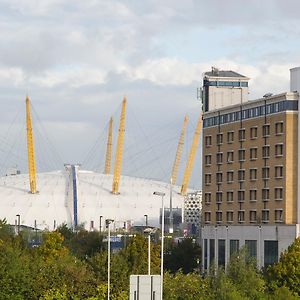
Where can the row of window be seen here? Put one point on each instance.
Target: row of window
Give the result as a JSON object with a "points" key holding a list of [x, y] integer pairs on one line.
{"points": [[253, 216], [249, 113], [279, 130], [241, 195], [253, 154], [241, 175], [225, 83]]}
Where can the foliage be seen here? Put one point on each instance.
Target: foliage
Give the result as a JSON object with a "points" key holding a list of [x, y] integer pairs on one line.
{"points": [[287, 271]]}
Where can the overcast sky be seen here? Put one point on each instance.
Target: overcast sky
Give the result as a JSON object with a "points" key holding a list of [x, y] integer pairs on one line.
{"points": [[77, 59]]}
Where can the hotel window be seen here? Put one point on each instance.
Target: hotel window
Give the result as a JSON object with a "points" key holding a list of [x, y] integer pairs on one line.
{"points": [[252, 216], [279, 150], [253, 174], [207, 198], [230, 156], [207, 179], [278, 193], [219, 177], [241, 216], [230, 196], [278, 171], [266, 130], [219, 216], [266, 151], [242, 134], [241, 196], [229, 216], [229, 176], [219, 138], [251, 246], [241, 175], [278, 215], [233, 246], [265, 194], [253, 153], [253, 133], [219, 197], [266, 172], [253, 195], [279, 128], [265, 215], [219, 158], [207, 217], [207, 160], [242, 155], [230, 137], [208, 141]]}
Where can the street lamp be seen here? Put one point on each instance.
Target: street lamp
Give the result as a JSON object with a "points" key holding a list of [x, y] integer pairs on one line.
{"points": [[162, 241], [18, 223], [108, 222], [100, 224], [146, 219]]}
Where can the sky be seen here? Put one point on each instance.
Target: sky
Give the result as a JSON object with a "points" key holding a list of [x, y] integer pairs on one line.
{"points": [[78, 59]]}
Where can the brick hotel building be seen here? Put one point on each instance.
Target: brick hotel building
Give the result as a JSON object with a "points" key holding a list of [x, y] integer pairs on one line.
{"points": [[250, 169]]}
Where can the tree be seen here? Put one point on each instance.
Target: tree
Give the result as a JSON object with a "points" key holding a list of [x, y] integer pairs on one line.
{"points": [[287, 271]]}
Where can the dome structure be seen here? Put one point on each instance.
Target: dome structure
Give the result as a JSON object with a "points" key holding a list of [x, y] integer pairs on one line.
{"points": [[78, 197]]}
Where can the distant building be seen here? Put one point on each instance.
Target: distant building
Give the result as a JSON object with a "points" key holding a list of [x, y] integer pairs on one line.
{"points": [[250, 170], [192, 209]]}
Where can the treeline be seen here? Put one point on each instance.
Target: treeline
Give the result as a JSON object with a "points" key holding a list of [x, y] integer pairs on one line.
{"points": [[70, 265]]}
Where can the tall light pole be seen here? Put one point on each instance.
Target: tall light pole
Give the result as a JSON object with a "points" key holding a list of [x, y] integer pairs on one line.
{"points": [[171, 206], [162, 242], [108, 222], [19, 223], [146, 219], [149, 231], [100, 224]]}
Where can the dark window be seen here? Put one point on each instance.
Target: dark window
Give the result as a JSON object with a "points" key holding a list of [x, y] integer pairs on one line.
{"points": [[219, 176], [242, 155], [278, 171], [271, 252], [253, 133], [241, 196], [251, 247], [229, 215], [211, 251], [219, 158], [207, 198], [230, 196], [278, 193], [241, 175], [265, 172], [208, 159], [234, 246], [253, 174], [230, 156], [253, 153], [219, 216], [208, 141], [253, 195], [219, 197], [266, 130], [279, 128], [219, 138], [266, 151], [279, 150], [230, 137], [205, 254], [252, 216], [242, 134], [221, 253], [230, 176]]}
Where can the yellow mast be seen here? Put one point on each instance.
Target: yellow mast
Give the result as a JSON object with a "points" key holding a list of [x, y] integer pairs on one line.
{"points": [[119, 153], [108, 148], [30, 148], [179, 152], [190, 163]]}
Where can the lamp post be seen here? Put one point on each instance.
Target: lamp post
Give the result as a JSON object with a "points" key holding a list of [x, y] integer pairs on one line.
{"points": [[149, 231], [100, 224], [108, 222], [146, 219], [162, 242], [18, 223]]}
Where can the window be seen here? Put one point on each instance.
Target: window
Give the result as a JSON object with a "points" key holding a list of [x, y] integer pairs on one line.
{"points": [[252, 216], [265, 215], [253, 174], [265, 172], [270, 252], [230, 137], [241, 155], [253, 195], [278, 215], [230, 156], [278, 193], [266, 151], [221, 253], [229, 176], [253, 133], [211, 251], [251, 246], [279, 128], [219, 197], [207, 160], [208, 141], [241, 175], [207, 198], [241, 216], [219, 177], [207, 179], [266, 130], [278, 171], [279, 150], [234, 246], [219, 158], [242, 134], [265, 194], [229, 216], [241, 196], [230, 196], [219, 216], [207, 217], [219, 138], [253, 153]]}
